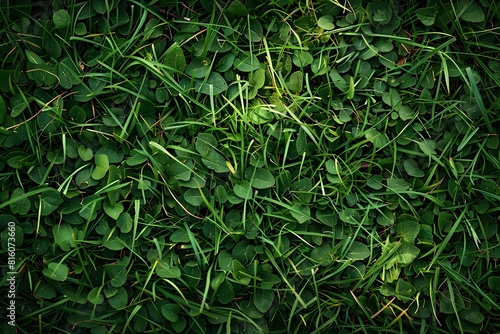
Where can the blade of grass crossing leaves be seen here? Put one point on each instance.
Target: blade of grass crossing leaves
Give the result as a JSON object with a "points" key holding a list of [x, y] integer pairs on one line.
{"points": [[479, 100], [292, 289], [453, 304], [439, 249]]}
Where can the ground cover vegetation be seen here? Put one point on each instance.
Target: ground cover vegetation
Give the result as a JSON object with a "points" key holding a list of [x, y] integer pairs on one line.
{"points": [[251, 166]]}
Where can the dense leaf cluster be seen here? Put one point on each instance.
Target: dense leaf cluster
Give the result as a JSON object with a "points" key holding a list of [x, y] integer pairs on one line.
{"points": [[251, 166]]}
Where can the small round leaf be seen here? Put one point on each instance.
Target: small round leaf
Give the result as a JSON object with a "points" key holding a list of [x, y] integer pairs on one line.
{"points": [[61, 19]]}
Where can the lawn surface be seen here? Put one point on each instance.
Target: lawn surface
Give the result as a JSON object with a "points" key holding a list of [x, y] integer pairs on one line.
{"points": [[250, 166]]}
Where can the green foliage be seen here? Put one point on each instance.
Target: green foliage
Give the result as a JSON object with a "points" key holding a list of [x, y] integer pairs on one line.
{"points": [[251, 166]]}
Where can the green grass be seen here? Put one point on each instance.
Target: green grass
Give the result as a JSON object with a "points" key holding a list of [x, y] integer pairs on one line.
{"points": [[250, 166]]}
